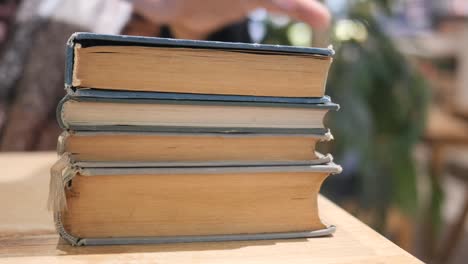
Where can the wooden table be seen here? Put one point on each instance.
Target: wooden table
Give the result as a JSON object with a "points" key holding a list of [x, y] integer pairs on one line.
{"points": [[27, 234]]}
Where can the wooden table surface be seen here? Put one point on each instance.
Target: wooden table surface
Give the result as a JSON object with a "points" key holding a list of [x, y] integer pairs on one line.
{"points": [[27, 233]]}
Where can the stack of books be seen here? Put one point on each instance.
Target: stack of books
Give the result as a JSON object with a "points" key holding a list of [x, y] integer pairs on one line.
{"points": [[178, 141]]}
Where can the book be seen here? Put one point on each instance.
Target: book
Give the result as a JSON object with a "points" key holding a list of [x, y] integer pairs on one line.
{"points": [[154, 205], [130, 63], [190, 149], [86, 113]]}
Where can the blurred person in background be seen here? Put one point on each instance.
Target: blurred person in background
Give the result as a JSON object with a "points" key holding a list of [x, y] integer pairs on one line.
{"points": [[32, 59], [7, 10]]}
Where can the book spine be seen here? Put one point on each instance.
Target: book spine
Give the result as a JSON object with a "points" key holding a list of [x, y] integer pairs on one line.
{"points": [[69, 60], [59, 113], [62, 141], [72, 240]]}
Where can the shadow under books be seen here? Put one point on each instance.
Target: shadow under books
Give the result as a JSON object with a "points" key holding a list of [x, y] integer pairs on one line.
{"points": [[66, 249]]}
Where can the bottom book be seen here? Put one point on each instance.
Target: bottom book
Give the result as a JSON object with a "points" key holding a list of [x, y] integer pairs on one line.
{"points": [[162, 205]]}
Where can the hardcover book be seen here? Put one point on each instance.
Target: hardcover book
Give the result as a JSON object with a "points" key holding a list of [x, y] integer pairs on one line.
{"points": [[191, 149], [129, 63], [88, 113], [161, 205]]}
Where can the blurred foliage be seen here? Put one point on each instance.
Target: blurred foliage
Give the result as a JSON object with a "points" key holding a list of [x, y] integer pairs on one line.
{"points": [[383, 108]]}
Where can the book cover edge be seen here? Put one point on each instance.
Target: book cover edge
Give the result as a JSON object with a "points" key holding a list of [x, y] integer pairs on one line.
{"points": [[83, 36], [148, 95]]}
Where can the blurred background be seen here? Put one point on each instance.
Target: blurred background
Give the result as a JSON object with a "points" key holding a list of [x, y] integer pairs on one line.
{"points": [[400, 74]]}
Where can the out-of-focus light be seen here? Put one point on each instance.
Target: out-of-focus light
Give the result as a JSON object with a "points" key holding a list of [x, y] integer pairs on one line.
{"points": [[360, 32], [257, 31], [256, 25], [279, 21], [259, 14], [343, 30], [347, 29], [300, 34], [337, 7]]}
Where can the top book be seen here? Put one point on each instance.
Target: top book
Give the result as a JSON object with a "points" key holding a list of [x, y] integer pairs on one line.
{"points": [[128, 63]]}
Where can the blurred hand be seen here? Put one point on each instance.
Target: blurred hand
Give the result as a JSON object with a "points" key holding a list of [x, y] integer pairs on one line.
{"points": [[195, 19]]}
